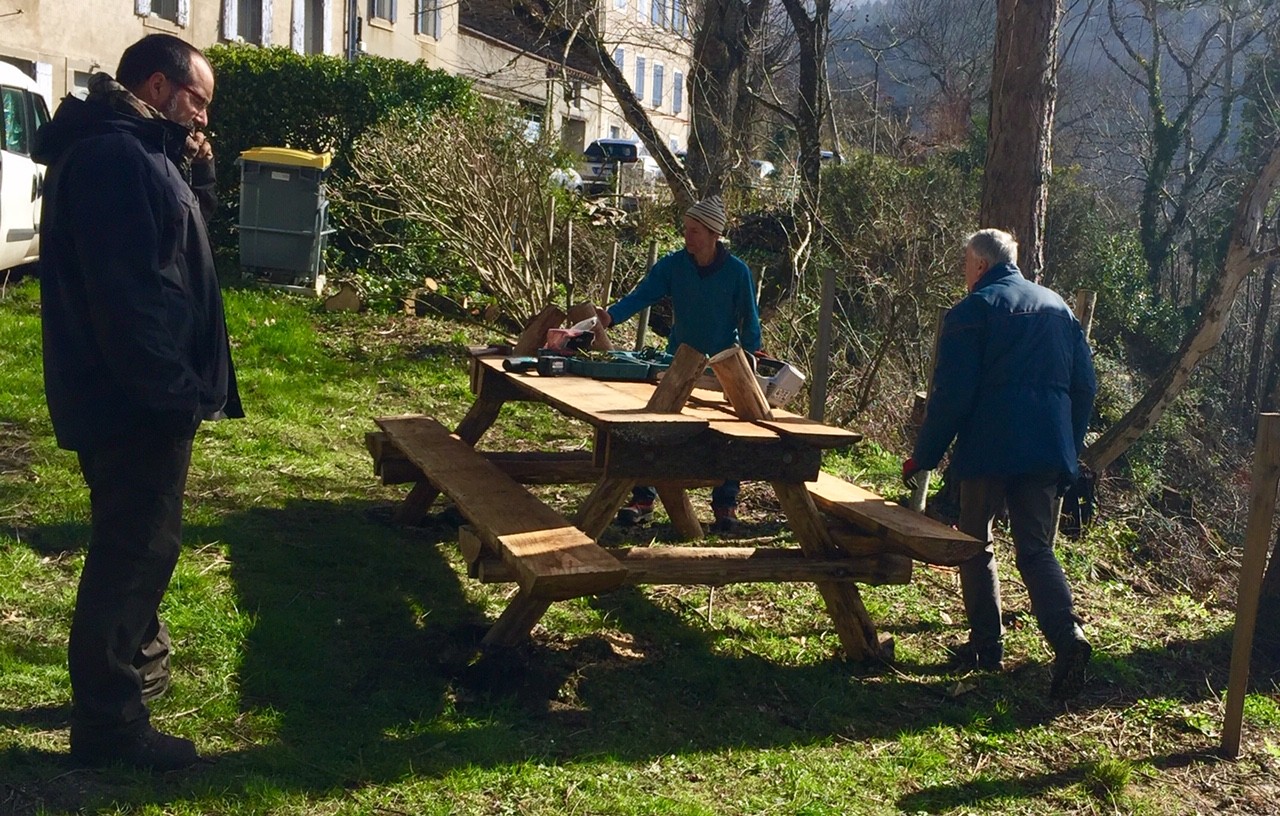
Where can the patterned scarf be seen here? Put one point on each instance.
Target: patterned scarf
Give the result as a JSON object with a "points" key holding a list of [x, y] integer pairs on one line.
{"points": [[103, 89]]}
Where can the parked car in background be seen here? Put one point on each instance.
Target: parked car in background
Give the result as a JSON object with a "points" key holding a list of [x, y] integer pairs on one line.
{"points": [[602, 159], [21, 178], [566, 178]]}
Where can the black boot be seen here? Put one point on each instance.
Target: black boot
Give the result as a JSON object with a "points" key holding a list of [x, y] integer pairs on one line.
{"points": [[147, 749]]}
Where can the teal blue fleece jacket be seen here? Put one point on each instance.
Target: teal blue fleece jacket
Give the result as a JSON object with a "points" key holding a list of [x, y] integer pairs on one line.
{"points": [[712, 312]]}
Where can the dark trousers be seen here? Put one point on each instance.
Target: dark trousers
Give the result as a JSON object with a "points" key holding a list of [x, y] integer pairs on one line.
{"points": [[724, 494], [117, 640], [1033, 506]]}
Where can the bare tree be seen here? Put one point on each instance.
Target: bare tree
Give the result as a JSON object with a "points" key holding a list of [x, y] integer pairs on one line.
{"points": [[1244, 254], [1190, 103], [1015, 191]]}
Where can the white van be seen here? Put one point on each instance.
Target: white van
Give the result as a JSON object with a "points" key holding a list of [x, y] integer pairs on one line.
{"points": [[21, 179]]}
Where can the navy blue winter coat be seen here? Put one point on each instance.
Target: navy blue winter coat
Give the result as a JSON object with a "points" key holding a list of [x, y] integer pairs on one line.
{"points": [[1014, 382], [135, 339]]}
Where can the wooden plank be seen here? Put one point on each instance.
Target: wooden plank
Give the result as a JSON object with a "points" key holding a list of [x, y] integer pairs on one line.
{"points": [[719, 566], [741, 388], [844, 604], [601, 506], [923, 538], [1262, 509], [784, 423], [716, 566], [534, 335], [552, 558], [721, 419], [596, 403], [516, 621], [683, 517], [713, 456], [673, 390], [526, 467]]}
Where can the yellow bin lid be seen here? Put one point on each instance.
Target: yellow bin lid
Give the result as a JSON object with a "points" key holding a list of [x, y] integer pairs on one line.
{"points": [[287, 156]]}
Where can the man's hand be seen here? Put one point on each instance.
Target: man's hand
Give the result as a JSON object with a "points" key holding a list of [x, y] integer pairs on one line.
{"points": [[910, 473], [603, 316], [198, 147]]}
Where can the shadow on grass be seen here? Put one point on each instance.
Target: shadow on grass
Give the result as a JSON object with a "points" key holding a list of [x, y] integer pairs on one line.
{"points": [[360, 658], [946, 798]]}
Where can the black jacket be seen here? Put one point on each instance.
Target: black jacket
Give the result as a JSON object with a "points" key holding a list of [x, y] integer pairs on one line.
{"points": [[135, 338]]}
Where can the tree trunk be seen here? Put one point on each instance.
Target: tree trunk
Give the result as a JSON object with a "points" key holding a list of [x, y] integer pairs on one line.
{"points": [[1243, 256], [1015, 189], [718, 103], [1257, 349]]}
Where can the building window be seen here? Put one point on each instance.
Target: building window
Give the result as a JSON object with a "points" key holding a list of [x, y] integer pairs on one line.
{"points": [[247, 20], [679, 21], [639, 89], [620, 59], [656, 11], [311, 31], [175, 11], [657, 85], [383, 10], [677, 93], [426, 18], [622, 4], [615, 132]]}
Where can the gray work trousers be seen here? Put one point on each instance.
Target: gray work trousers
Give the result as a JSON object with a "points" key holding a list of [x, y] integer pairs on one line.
{"points": [[1032, 500]]}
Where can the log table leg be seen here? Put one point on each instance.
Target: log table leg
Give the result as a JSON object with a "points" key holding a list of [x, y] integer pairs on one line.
{"points": [[517, 620], [599, 508], [683, 517], [853, 625]]}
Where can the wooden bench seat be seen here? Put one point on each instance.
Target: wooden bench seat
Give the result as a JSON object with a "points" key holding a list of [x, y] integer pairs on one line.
{"points": [[551, 558], [902, 530]]}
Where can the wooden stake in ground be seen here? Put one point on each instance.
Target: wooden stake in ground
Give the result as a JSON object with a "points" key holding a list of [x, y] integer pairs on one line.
{"points": [[1262, 508]]}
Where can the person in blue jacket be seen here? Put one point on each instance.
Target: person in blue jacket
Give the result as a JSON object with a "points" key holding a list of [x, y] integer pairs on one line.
{"points": [[136, 357], [1013, 387], [713, 302]]}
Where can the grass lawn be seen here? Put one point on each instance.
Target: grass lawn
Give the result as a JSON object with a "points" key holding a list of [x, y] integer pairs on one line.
{"points": [[324, 656]]}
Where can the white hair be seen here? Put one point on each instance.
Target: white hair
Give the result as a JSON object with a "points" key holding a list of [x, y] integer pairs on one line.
{"points": [[993, 246]]}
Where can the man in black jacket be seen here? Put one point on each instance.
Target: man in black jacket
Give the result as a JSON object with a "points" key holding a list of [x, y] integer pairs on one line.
{"points": [[136, 355]]}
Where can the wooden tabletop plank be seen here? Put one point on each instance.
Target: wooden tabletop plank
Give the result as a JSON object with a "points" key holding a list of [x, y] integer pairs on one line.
{"points": [[552, 557], [720, 421], [598, 404], [784, 422], [924, 538]]}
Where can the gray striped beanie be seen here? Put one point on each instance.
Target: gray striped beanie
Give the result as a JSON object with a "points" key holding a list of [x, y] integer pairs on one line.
{"points": [[710, 213]]}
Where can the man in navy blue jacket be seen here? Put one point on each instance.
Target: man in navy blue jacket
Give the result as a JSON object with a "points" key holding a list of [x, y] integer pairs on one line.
{"points": [[136, 356], [1013, 387]]}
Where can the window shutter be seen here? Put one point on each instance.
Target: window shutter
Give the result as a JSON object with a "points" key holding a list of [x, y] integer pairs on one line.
{"points": [[438, 14], [391, 12], [298, 27], [230, 23], [184, 12], [266, 22], [142, 7]]}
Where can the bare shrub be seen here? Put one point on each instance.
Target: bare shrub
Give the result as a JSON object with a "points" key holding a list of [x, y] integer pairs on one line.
{"points": [[475, 186]]}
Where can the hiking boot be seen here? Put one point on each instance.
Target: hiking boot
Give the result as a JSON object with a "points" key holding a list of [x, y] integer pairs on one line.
{"points": [[726, 519], [968, 657], [148, 749], [634, 514], [1069, 666]]}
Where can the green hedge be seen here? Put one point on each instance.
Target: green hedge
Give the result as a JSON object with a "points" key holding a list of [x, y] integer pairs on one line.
{"points": [[273, 97]]}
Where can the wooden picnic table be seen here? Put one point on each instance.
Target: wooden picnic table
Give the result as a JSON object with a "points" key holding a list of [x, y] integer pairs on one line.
{"points": [[513, 536]]}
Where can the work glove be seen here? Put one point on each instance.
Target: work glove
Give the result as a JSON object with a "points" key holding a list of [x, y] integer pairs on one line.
{"points": [[910, 473]]}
